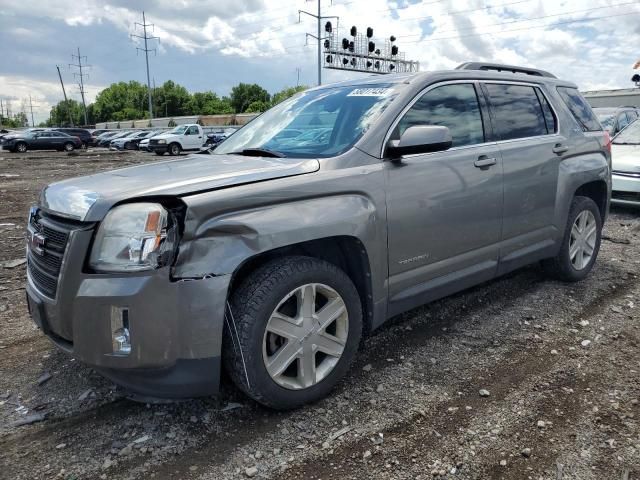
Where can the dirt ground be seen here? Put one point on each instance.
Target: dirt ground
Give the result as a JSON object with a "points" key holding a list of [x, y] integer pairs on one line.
{"points": [[560, 365]]}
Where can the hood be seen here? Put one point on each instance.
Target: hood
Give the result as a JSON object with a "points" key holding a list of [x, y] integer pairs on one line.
{"points": [[89, 198], [167, 135], [625, 158]]}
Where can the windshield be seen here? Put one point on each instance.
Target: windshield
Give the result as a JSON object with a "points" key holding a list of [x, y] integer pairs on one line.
{"points": [[319, 123], [180, 129], [630, 135]]}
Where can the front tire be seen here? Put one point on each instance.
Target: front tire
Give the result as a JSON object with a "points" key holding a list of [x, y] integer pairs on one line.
{"points": [[295, 324], [174, 149], [580, 244], [21, 147]]}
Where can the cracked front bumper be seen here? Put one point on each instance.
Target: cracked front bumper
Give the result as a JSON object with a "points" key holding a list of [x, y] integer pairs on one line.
{"points": [[175, 326]]}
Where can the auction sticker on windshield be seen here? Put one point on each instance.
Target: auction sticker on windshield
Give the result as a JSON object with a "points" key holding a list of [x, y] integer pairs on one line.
{"points": [[369, 92]]}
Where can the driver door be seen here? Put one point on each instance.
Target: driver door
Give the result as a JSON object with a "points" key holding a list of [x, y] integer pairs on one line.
{"points": [[193, 138], [444, 209]]}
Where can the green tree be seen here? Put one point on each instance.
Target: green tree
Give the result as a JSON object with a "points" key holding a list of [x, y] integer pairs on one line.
{"points": [[244, 94], [286, 93], [59, 116], [18, 120], [258, 106], [171, 100], [208, 103], [121, 100]]}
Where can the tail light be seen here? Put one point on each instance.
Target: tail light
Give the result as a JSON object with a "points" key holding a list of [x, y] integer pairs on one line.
{"points": [[607, 141]]}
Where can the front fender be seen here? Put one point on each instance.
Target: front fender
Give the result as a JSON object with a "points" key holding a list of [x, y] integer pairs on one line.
{"points": [[222, 243]]}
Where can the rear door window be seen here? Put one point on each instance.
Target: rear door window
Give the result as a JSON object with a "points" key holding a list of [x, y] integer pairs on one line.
{"points": [[580, 109], [454, 106], [518, 112]]}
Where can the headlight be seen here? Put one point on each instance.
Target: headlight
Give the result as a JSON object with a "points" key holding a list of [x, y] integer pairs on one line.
{"points": [[162, 141], [134, 237]]}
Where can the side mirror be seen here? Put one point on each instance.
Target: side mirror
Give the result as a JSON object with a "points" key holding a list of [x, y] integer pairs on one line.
{"points": [[420, 139]]}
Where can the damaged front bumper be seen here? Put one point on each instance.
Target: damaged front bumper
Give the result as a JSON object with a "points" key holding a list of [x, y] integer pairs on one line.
{"points": [[175, 327]]}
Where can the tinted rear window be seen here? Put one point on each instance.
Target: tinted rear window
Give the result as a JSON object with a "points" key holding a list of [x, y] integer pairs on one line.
{"points": [[518, 112], [580, 109]]}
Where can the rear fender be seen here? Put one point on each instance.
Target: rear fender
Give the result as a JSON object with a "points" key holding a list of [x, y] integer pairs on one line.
{"points": [[573, 173]]}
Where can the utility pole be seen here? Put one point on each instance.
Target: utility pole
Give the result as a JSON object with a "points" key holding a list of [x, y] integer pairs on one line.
{"points": [[298, 76], [146, 51], [319, 18], [66, 102], [81, 82], [33, 123]]}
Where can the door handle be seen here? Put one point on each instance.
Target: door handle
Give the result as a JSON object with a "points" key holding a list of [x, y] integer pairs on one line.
{"points": [[560, 149], [484, 162]]}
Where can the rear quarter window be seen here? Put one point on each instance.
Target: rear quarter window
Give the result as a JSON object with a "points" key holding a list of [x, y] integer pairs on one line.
{"points": [[580, 109]]}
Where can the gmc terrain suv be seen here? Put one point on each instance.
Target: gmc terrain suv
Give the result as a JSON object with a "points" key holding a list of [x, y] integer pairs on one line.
{"points": [[272, 258]]}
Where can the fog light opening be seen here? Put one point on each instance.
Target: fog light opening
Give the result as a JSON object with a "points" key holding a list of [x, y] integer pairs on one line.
{"points": [[120, 337]]}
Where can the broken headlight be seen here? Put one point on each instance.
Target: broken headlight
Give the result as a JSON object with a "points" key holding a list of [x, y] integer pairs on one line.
{"points": [[134, 237]]}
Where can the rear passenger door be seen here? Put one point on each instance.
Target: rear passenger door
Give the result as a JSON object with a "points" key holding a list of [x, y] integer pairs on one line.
{"points": [[526, 128]]}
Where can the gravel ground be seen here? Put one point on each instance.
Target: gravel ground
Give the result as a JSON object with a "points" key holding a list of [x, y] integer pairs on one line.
{"points": [[519, 378]]}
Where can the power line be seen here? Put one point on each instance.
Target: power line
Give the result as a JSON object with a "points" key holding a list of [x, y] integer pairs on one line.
{"points": [[146, 51], [81, 76]]}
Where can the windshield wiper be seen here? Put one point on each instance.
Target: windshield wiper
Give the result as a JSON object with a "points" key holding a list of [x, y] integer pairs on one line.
{"points": [[625, 143], [259, 152]]}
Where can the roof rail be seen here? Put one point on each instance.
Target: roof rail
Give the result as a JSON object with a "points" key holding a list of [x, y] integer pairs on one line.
{"points": [[504, 68]]}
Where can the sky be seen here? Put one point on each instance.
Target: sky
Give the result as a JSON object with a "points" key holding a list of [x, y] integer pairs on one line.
{"points": [[215, 44]]}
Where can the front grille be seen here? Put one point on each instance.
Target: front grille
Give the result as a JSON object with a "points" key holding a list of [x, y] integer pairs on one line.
{"points": [[627, 196], [44, 266]]}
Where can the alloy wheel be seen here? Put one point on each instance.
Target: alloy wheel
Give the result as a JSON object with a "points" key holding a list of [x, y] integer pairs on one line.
{"points": [[305, 336], [582, 244]]}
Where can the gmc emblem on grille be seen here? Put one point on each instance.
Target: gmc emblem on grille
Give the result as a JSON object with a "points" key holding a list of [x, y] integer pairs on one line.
{"points": [[36, 242]]}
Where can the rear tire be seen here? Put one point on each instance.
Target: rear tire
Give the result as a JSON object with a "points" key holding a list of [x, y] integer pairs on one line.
{"points": [[69, 147], [580, 244], [174, 149], [302, 364]]}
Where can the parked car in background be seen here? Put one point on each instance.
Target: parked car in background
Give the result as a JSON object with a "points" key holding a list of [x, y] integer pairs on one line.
{"points": [[183, 137], [40, 140], [100, 131], [625, 153], [97, 135], [124, 142], [82, 133], [615, 119], [273, 259], [212, 139], [104, 136], [132, 142], [106, 139]]}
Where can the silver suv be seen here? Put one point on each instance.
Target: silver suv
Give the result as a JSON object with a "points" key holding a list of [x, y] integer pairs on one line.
{"points": [[272, 258]]}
